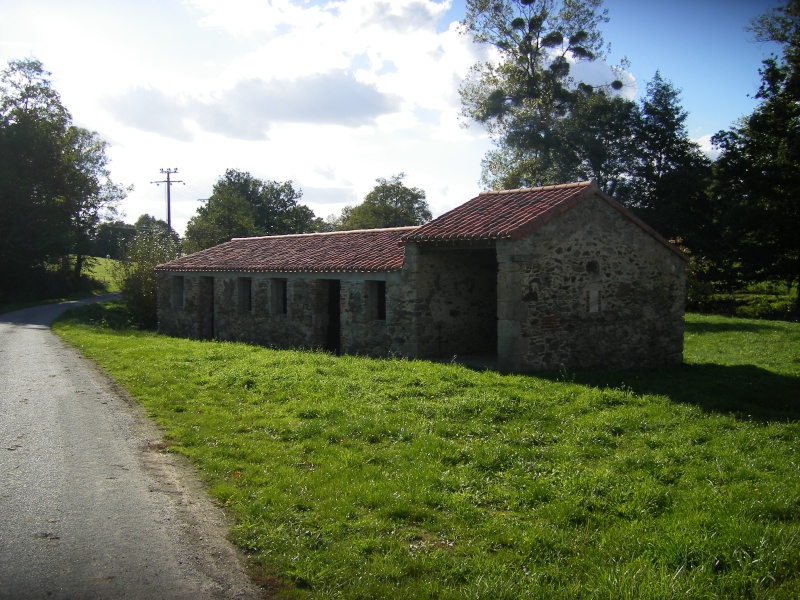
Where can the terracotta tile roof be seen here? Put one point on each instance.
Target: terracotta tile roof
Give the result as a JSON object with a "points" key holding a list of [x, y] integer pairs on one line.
{"points": [[503, 214], [363, 251], [512, 214]]}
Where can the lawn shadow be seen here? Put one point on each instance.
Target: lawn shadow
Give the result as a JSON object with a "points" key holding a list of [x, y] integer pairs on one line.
{"points": [[744, 391]]}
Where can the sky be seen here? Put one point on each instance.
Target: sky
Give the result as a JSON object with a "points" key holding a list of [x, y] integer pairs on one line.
{"points": [[332, 95]]}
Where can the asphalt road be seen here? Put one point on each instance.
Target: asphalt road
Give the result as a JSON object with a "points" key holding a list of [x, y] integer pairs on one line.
{"points": [[90, 507]]}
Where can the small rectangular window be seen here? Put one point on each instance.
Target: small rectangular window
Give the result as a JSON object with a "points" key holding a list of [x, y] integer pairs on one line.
{"points": [[245, 293], [178, 298], [376, 300], [594, 301], [280, 300]]}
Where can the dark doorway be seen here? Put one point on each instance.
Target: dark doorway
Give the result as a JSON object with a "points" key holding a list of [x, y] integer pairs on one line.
{"points": [[205, 309], [333, 335], [462, 302]]}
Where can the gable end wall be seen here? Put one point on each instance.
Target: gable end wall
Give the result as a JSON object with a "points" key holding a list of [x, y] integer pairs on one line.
{"points": [[589, 290]]}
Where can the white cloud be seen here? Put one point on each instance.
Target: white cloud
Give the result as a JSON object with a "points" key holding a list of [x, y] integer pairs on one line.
{"points": [[707, 147], [247, 17], [153, 111], [252, 106], [329, 94]]}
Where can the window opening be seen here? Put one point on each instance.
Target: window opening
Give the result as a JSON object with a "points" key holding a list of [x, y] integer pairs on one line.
{"points": [[178, 298], [376, 296], [245, 293], [280, 298]]}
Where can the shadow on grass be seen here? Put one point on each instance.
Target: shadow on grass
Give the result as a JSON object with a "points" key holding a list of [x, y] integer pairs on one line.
{"points": [[744, 391]]}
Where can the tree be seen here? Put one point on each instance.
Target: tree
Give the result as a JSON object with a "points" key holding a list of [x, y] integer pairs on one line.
{"points": [[54, 182], [668, 181], [135, 274], [32, 129], [226, 215], [527, 98], [112, 237], [758, 171], [389, 204], [597, 142], [242, 205], [93, 196], [159, 226]]}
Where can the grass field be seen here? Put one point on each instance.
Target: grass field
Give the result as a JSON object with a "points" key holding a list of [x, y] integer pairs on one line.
{"points": [[97, 279], [102, 269], [356, 478]]}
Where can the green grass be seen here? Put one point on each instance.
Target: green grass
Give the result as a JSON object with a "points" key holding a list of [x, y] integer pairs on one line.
{"points": [[101, 269], [356, 478], [97, 279]]}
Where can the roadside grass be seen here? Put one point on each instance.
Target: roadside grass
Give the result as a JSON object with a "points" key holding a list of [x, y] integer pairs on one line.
{"points": [[359, 478]]}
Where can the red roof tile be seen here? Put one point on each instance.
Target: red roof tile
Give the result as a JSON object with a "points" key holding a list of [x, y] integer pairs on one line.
{"points": [[509, 214], [363, 251], [512, 214], [503, 214]]}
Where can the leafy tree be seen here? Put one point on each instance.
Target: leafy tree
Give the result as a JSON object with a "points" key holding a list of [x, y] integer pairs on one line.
{"points": [[226, 215], [54, 184], [758, 171], [135, 274], [668, 181], [93, 196], [33, 124], [112, 237], [389, 204], [150, 223], [242, 205], [526, 100], [597, 142]]}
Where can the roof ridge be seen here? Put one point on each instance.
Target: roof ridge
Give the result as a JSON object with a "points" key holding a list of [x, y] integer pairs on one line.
{"points": [[312, 233], [545, 188]]}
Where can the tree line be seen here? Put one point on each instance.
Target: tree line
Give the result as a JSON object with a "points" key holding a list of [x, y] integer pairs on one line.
{"points": [[242, 205], [55, 186], [58, 203], [737, 216]]}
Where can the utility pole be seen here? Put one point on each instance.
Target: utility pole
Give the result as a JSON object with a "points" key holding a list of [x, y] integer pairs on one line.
{"points": [[169, 183]]}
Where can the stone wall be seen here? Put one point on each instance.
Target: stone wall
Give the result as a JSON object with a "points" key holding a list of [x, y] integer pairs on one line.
{"points": [[307, 319], [364, 330], [590, 290], [456, 301]]}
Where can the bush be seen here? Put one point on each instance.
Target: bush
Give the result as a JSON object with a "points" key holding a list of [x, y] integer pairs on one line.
{"points": [[764, 300], [136, 276]]}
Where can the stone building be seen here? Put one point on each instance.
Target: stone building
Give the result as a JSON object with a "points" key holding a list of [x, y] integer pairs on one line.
{"points": [[544, 278]]}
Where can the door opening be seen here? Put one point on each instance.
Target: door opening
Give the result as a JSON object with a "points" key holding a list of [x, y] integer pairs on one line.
{"points": [[333, 341], [205, 309]]}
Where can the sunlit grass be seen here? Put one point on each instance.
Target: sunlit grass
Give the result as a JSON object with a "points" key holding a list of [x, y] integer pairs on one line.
{"points": [[96, 279], [101, 269], [358, 478]]}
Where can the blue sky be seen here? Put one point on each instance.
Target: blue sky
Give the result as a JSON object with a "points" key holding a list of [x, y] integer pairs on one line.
{"points": [[330, 95], [700, 46]]}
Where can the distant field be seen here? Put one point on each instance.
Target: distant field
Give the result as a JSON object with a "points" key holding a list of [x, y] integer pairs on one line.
{"points": [[357, 478], [99, 269], [102, 270]]}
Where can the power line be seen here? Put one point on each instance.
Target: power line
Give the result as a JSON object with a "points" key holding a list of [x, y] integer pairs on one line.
{"points": [[169, 183]]}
